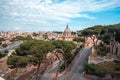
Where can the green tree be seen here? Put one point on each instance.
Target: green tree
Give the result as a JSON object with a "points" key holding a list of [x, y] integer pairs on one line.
{"points": [[65, 48], [6, 51], [45, 36], [78, 39], [37, 57], [93, 69], [95, 30], [4, 45], [2, 55], [36, 51], [15, 61], [106, 38], [117, 67], [28, 37], [102, 51], [2, 39], [35, 34], [0, 43]]}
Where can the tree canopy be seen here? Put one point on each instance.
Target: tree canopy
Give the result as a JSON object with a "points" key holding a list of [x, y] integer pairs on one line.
{"points": [[17, 61], [103, 32], [22, 38], [35, 50], [79, 39]]}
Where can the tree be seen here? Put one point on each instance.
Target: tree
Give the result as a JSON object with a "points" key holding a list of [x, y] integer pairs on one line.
{"points": [[2, 39], [65, 48], [56, 51], [103, 31], [36, 51], [2, 55], [4, 45], [78, 39], [93, 69], [117, 67], [45, 36], [15, 61], [0, 42], [106, 37], [6, 51], [117, 35], [35, 34], [28, 37], [93, 33], [37, 58]]}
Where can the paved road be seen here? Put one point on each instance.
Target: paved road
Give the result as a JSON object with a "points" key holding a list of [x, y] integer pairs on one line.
{"points": [[10, 47], [48, 72], [77, 67], [77, 70]]}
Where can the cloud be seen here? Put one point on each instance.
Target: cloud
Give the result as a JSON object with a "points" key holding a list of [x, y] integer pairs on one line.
{"points": [[54, 11], [13, 28], [17, 28]]}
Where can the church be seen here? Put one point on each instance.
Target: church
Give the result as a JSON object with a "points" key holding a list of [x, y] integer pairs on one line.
{"points": [[66, 35]]}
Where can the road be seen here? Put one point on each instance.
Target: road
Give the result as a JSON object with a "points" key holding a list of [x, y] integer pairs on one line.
{"points": [[3, 66], [10, 47], [77, 70], [77, 67], [48, 72]]}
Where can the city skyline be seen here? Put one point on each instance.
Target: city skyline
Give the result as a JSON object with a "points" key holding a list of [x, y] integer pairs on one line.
{"points": [[54, 15]]}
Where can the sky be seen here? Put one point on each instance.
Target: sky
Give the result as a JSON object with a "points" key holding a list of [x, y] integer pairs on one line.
{"points": [[54, 15]]}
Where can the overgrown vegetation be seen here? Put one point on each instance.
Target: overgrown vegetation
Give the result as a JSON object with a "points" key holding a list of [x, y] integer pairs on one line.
{"points": [[103, 68], [102, 51], [94, 69], [110, 67], [106, 34], [117, 67]]}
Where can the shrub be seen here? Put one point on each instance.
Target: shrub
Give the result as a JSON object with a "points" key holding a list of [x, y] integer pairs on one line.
{"points": [[93, 69]]}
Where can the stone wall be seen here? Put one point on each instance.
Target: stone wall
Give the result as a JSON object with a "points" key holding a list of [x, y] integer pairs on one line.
{"points": [[115, 48]]}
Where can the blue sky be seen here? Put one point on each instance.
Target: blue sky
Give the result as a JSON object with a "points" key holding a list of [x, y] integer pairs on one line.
{"points": [[54, 15]]}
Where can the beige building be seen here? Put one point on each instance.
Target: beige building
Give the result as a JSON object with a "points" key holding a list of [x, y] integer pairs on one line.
{"points": [[66, 35]]}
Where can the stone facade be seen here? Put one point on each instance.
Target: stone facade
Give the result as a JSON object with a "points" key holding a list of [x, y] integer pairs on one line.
{"points": [[115, 48], [66, 35]]}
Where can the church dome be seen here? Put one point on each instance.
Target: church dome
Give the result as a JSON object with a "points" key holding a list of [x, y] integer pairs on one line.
{"points": [[67, 29]]}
